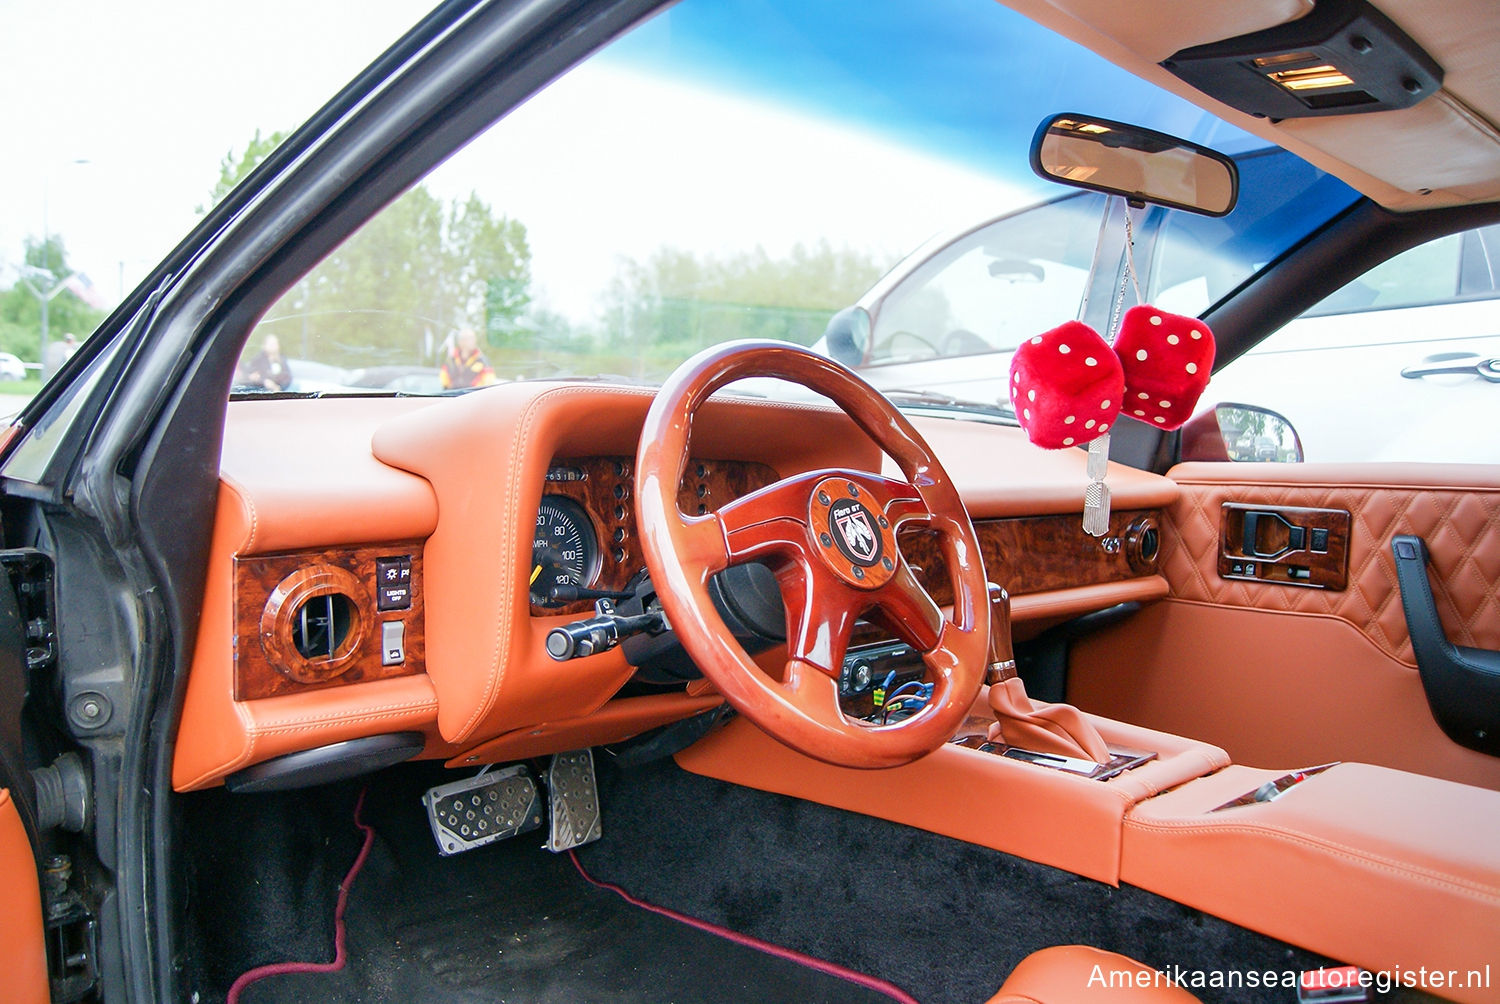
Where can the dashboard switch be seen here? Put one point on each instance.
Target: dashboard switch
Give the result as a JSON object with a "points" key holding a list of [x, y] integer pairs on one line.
{"points": [[392, 643], [393, 583]]}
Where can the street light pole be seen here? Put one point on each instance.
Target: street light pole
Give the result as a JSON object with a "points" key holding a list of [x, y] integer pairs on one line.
{"points": [[58, 283]]}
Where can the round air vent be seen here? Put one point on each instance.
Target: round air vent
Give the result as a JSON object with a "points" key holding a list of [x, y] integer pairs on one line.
{"points": [[313, 623], [1142, 545], [320, 625]]}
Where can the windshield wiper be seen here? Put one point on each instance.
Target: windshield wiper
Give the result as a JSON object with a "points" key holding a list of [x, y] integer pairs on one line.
{"points": [[931, 400]]}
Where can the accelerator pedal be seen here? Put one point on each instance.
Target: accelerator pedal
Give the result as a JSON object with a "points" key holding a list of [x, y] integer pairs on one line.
{"points": [[575, 800], [479, 810]]}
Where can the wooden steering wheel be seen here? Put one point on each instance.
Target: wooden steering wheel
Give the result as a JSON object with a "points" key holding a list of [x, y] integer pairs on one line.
{"points": [[830, 537]]}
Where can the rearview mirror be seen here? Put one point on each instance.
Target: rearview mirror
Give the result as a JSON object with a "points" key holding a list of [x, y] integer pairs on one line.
{"points": [[1140, 164]]}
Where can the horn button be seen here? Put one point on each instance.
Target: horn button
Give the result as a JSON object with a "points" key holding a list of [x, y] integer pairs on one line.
{"points": [[853, 535]]}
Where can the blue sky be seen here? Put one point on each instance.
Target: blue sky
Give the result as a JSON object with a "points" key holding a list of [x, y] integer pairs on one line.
{"points": [[968, 80]]}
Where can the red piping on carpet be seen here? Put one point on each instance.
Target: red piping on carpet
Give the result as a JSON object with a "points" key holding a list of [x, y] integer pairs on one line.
{"points": [[880, 986], [340, 956]]}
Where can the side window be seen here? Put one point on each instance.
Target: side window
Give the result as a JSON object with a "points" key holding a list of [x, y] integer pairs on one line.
{"points": [[1427, 274], [1394, 366], [994, 287]]}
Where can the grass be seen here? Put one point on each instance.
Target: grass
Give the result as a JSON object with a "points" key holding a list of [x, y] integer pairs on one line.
{"points": [[27, 387]]}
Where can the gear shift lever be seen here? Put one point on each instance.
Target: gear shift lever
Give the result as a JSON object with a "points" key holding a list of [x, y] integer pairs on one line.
{"points": [[1002, 665], [1019, 721]]}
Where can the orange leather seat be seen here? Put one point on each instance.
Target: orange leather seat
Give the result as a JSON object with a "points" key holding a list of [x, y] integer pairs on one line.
{"points": [[23, 954], [1076, 973]]}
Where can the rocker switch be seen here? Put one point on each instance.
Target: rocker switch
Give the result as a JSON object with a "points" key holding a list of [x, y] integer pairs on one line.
{"points": [[392, 643], [393, 583]]}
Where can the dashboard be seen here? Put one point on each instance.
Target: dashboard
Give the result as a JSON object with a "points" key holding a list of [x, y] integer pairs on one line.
{"points": [[398, 571]]}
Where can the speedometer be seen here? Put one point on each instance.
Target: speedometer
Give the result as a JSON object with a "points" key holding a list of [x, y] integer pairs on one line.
{"points": [[564, 551]]}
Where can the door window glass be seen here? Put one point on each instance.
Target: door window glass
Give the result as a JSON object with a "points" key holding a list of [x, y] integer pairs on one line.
{"points": [[1397, 365]]}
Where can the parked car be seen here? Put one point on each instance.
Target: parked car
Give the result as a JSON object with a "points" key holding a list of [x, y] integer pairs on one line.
{"points": [[407, 379], [11, 367], [804, 701]]}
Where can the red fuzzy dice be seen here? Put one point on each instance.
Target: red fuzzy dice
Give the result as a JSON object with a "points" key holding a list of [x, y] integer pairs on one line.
{"points": [[1066, 386], [1167, 360]]}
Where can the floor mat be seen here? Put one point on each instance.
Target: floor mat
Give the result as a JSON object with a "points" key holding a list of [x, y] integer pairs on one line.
{"points": [[512, 923]]}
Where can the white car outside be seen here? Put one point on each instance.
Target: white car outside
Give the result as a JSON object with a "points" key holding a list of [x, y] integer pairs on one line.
{"points": [[1385, 369]]}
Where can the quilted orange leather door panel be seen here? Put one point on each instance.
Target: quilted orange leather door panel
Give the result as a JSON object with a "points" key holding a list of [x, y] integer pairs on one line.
{"points": [[1329, 674]]}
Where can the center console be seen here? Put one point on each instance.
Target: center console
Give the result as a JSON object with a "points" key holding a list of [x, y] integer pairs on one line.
{"points": [[1364, 864], [1052, 816]]}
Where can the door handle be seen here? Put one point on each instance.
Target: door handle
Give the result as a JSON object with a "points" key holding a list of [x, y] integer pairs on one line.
{"points": [[1447, 363], [1296, 536], [1462, 684]]}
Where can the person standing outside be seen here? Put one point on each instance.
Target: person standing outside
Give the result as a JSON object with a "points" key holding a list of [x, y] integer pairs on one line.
{"points": [[465, 365], [269, 370]]}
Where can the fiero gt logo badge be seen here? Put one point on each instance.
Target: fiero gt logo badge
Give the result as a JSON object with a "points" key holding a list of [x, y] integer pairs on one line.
{"points": [[854, 532]]}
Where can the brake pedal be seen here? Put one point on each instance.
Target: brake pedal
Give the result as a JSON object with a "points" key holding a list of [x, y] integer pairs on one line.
{"points": [[575, 800], [490, 806]]}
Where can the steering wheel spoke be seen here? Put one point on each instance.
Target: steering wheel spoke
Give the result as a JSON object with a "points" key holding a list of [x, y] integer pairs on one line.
{"points": [[701, 540], [904, 608], [766, 524], [820, 618], [812, 691]]}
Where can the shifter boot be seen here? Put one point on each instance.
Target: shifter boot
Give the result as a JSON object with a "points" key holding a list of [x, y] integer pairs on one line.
{"points": [[1059, 729]]}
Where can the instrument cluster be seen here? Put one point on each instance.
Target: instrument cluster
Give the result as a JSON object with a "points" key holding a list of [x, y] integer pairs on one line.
{"points": [[586, 546]]}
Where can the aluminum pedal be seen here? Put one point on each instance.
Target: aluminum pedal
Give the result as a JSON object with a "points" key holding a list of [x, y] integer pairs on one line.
{"points": [[484, 808], [575, 800]]}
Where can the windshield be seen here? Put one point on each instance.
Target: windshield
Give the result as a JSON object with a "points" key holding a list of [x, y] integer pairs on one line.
{"points": [[745, 169]]}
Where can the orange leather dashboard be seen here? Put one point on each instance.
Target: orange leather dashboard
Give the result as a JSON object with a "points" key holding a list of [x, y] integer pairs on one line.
{"points": [[273, 497], [463, 477]]}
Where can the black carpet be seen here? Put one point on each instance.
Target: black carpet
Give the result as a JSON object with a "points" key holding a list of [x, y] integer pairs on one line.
{"points": [[941, 919], [512, 922]]}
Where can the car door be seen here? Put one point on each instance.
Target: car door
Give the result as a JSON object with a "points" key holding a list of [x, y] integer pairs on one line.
{"points": [[1330, 649]]}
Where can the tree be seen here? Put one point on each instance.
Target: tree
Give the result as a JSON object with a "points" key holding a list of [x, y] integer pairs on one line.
{"points": [[20, 310], [396, 289], [235, 169], [677, 301]]}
